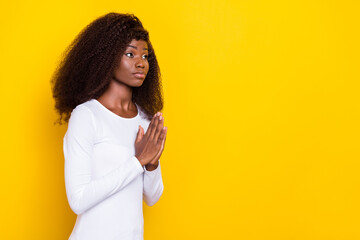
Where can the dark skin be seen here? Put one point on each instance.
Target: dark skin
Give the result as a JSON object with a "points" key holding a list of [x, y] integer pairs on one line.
{"points": [[131, 72]]}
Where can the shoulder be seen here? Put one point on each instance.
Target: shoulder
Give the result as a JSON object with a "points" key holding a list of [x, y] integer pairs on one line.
{"points": [[86, 109], [81, 111], [88, 106], [82, 116]]}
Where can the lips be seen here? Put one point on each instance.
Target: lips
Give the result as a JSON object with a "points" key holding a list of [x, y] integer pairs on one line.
{"points": [[139, 74]]}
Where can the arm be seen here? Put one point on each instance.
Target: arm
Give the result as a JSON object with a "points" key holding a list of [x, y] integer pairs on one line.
{"points": [[82, 191], [153, 185]]}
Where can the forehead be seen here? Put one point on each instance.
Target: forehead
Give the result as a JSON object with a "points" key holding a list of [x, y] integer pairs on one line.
{"points": [[138, 44]]}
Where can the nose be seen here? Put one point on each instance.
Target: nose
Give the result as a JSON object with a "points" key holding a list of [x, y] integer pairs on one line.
{"points": [[140, 63]]}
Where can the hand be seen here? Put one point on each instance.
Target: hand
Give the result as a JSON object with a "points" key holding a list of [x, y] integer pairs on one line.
{"points": [[155, 162], [149, 146]]}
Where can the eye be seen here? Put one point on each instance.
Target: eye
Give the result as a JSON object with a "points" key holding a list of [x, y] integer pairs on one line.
{"points": [[145, 56], [129, 54]]}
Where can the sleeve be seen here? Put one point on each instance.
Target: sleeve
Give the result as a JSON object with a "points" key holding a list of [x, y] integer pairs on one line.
{"points": [[82, 191], [153, 185]]}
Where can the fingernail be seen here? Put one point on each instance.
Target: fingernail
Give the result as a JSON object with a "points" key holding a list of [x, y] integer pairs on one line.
{"points": [[160, 117]]}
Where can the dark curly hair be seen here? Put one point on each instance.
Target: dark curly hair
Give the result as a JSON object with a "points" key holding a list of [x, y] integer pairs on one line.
{"points": [[86, 70]]}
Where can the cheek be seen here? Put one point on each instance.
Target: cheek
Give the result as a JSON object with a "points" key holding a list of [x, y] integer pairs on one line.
{"points": [[124, 63], [124, 66]]}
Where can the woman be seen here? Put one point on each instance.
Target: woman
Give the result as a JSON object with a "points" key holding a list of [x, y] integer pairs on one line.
{"points": [[108, 89]]}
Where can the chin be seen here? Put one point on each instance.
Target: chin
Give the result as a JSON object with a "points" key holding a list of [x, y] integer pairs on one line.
{"points": [[139, 84]]}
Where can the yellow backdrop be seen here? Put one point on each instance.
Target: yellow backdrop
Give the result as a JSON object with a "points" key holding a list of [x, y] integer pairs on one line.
{"points": [[261, 102]]}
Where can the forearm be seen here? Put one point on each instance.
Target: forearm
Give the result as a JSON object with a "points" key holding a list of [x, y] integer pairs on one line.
{"points": [[153, 185], [84, 193]]}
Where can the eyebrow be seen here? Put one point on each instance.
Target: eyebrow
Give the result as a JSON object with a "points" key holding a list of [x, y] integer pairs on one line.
{"points": [[136, 47]]}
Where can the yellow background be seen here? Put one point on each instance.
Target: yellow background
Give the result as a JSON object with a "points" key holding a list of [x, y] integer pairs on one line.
{"points": [[261, 102]]}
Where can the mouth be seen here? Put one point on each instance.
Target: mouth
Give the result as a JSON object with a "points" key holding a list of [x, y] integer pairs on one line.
{"points": [[139, 75]]}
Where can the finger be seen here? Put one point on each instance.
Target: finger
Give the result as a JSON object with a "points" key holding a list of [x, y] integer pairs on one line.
{"points": [[156, 158], [139, 134], [163, 142], [160, 150], [155, 161], [154, 127], [159, 128], [147, 134], [162, 135], [166, 128]]}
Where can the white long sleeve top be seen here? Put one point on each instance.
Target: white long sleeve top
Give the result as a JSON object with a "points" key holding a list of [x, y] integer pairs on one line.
{"points": [[105, 183]]}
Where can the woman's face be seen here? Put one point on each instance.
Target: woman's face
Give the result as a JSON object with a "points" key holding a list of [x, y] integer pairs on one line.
{"points": [[133, 65]]}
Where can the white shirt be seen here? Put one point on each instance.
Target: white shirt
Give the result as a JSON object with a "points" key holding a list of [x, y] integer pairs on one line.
{"points": [[105, 183]]}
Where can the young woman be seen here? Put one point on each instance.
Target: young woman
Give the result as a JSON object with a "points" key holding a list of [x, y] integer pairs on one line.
{"points": [[108, 89]]}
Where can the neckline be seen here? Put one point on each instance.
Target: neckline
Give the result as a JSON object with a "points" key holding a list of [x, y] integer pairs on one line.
{"points": [[114, 114]]}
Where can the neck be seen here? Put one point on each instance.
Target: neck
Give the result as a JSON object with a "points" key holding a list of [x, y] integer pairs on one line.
{"points": [[118, 95]]}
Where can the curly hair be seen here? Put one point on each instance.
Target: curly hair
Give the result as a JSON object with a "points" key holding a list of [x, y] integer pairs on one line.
{"points": [[86, 70]]}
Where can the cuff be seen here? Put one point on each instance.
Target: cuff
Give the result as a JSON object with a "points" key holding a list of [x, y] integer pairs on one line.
{"points": [[137, 164]]}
